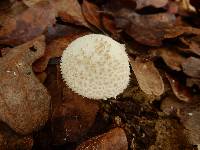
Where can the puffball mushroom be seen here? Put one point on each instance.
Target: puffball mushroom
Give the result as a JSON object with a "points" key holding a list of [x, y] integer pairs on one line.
{"points": [[95, 66]]}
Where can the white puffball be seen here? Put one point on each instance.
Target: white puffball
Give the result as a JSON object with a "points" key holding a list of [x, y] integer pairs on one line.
{"points": [[95, 66]]}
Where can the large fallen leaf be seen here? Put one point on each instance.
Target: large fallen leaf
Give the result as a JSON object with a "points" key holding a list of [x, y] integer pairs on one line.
{"points": [[70, 11], [27, 25], [91, 13], [55, 49], [148, 76], [151, 29], [191, 67], [9, 140], [179, 90], [115, 139], [24, 101]]}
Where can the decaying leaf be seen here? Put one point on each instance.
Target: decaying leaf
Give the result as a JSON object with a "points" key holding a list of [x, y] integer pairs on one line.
{"points": [[72, 115], [55, 49], [91, 13], [171, 58], [9, 140], [148, 77], [70, 11], [115, 139], [180, 91], [191, 67], [24, 100], [27, 25]]}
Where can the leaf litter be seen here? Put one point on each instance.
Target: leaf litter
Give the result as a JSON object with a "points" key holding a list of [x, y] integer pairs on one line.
{"points": [[162, 40]]}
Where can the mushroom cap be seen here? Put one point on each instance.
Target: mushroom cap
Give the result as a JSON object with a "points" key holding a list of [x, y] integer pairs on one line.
{"points": [[95, 66]]}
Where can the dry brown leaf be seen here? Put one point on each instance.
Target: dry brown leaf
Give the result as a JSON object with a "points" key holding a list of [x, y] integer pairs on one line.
{"points": [[109, 25], [115, 139], [171, 58], [91, 13], [55, 49], [146, 29], [9, 140], [180, 91], [191, 67], [27, 25], [148, 77], [24, 100], [151, 29], [70, 11]]}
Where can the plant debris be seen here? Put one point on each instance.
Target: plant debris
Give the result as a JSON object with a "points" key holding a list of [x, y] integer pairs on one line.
{"points": [[158, 110]]}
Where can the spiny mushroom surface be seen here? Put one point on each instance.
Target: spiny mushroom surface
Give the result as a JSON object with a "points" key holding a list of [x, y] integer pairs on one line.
{"points": [[95, 66]]}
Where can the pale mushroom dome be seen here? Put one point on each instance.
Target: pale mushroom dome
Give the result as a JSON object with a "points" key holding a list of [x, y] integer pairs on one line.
{"points": [[95, 66]]}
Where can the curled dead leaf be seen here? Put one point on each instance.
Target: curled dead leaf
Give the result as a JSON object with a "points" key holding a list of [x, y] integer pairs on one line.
{"points": [[70, 11], [171, 58], [148, 76], [24, 100], [115, 139], [180, 91], [109, 25], [91, 13]]}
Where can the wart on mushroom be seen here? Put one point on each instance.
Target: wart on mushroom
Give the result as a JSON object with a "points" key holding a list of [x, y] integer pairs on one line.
{"points": [[95, 66]]}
